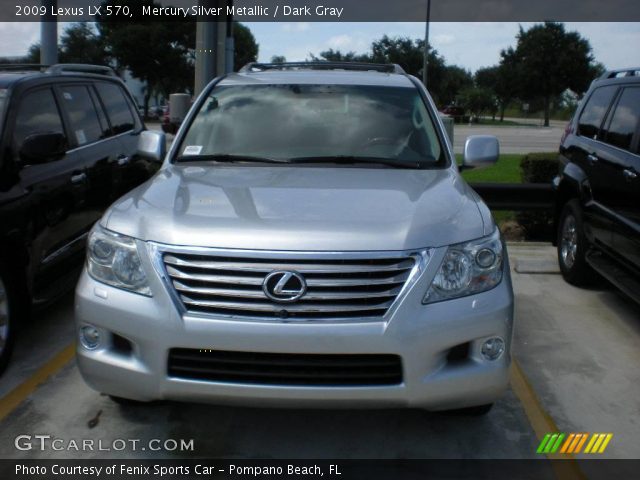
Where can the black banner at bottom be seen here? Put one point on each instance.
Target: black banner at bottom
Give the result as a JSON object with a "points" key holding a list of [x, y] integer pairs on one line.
{"points": [[315, 469]]}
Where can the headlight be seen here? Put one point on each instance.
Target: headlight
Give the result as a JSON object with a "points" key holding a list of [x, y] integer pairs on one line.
{"points": [[468, 268], [113, 259]]}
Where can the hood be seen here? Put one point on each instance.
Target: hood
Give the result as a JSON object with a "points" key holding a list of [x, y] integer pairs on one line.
{"points": [[299, 208]]}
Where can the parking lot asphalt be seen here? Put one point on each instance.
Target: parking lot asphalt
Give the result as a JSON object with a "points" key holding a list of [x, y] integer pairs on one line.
{"points": [[513, 139], [576, 354]]}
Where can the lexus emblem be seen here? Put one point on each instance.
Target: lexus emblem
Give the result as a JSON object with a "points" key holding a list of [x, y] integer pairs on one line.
{"points": [[284, 287]]}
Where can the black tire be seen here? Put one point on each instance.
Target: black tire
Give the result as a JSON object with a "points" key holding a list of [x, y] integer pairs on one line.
{"points": [[573, 246], [477, 411], [127, 402], [8, 316]]}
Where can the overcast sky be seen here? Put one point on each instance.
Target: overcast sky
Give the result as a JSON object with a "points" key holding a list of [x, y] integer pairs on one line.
{"points": [[470, 45]]}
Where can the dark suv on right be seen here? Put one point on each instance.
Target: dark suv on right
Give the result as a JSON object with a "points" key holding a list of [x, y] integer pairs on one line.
{"points": [[598, 209]]}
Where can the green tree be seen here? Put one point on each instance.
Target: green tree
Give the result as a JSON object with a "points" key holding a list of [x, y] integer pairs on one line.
{"points": [[478, 100], [278, 59], [332, 55], [454, 80], [246, 48], [80, 43], [551, 60], [160, 54], [444, 81]]}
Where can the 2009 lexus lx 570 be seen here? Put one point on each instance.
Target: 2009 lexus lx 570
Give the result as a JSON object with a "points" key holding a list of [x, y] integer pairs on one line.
{"points": [[308, 241]]}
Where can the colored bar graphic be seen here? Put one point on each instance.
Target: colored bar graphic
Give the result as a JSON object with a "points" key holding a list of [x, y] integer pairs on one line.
{"points": [[582, 441], [556, 446], [605, 443], [567, 442], [573, 443], [591, 443], [543, 443]]}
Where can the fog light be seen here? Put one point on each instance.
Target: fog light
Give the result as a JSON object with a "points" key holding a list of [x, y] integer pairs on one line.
{"points": [[493, 348], [89, 337]]}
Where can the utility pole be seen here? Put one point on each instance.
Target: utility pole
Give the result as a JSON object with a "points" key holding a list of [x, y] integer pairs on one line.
{"points": [[229, 44], [210, 46], [425, 60], [49, 35]]}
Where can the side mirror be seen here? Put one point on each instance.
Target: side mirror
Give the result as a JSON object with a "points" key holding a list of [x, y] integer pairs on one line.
{"points": [[42, 148], [152, 145], [480, 151]]}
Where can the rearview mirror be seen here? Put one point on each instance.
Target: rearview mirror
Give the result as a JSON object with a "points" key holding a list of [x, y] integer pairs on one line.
{"points": [[152, 145], [480, 151], [42, 148]]}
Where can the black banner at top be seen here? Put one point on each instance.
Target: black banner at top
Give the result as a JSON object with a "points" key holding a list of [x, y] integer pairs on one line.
{"points": [[321, 10]]}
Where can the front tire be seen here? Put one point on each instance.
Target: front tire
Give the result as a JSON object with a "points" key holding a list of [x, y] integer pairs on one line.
{"points": [[573, 246], [477, 411], [8, 311], [126, 402]]}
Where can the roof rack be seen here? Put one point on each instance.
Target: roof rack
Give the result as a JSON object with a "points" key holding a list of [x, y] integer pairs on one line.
{"points": [[81, 68], [623, 72], [18, 67], [322, 65]]}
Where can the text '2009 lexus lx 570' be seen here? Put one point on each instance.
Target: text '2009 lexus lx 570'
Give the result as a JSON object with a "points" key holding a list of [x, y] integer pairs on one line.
{"points": [[308, 241]]}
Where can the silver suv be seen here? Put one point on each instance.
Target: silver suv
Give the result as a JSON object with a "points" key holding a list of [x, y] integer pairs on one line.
{"points": [[308, 241]]}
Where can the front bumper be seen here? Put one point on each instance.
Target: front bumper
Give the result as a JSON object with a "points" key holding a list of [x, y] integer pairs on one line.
{"points": [[422, 335]]}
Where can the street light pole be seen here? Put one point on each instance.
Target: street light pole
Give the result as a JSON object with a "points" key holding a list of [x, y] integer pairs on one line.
{"points": [[425, 60], [49, 35]]}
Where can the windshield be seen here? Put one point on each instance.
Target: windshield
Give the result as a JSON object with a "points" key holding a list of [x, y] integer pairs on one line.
{"points": [[314, 124]]}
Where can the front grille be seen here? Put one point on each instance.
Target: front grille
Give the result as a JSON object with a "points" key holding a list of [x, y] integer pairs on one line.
{"points": [[336, 288], [285, 368]]}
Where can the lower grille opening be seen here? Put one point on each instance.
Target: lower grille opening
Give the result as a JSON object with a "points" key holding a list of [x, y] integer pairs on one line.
{"points": [[285, 368], [458, 354], [121, 344]]}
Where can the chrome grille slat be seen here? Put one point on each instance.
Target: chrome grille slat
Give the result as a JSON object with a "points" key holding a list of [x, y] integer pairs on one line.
{"points": [[311, 282], [277, 308], [310, 295], [340, 287], [260, 267]]}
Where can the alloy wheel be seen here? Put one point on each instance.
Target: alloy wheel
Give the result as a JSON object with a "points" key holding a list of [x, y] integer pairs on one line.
{"points": [[4, 316], [569, 241]]}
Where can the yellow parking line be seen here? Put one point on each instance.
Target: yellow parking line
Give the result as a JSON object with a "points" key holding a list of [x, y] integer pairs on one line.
{"points": [[16, 396], [542, 423]]}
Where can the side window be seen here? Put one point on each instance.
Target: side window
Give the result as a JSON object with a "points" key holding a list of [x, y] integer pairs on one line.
{"points": [[117, 106], [595, 110], [624, 122], [37, 113], [85, 126]]}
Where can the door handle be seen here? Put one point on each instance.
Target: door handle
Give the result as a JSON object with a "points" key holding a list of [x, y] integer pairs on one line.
{"points": [[123, 160], [592, 158], [629, 174], [78, 177]]}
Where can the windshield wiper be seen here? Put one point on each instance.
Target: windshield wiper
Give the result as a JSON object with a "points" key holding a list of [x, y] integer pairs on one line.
{"points": [[228, 158], [352, 160]]}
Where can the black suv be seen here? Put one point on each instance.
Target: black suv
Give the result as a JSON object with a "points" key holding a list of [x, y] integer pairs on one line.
{"points": [[68, 148], [598, 214]]}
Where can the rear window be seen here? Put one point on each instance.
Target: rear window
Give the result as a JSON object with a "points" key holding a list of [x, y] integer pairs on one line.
{"points": [[117, 106], [289, 122], [37, 113], [85, 126], [625, 119], [595, 111]]}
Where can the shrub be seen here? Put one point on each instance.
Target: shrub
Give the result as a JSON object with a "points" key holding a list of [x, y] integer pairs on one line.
{"points": [[538, 168]]}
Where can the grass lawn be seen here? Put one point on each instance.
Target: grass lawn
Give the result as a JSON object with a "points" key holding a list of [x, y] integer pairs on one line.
{"points": [[504, 123], [507, 170]]}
